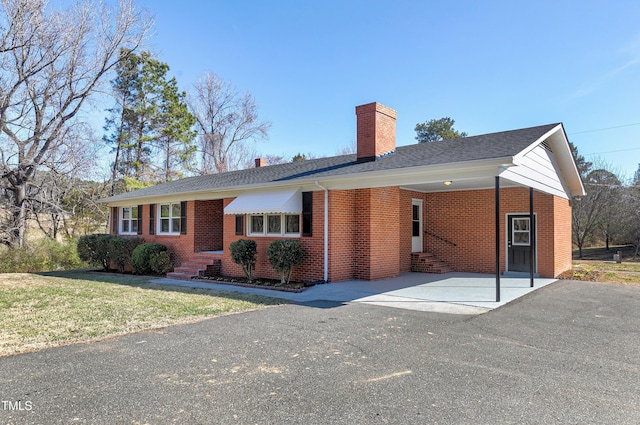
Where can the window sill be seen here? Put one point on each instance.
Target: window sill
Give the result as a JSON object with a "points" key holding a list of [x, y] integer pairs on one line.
{"points": [[274, 235]]}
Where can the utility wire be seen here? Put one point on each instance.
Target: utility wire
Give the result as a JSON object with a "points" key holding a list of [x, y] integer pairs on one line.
{"points": [[619, 150], [602, 129]]}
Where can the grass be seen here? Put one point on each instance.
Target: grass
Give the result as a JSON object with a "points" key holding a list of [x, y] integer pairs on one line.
{"points": [[44, 310], [598, 265]]}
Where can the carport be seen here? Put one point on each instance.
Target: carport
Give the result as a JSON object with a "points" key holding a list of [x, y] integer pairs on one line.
{"points": [[546, 166]]}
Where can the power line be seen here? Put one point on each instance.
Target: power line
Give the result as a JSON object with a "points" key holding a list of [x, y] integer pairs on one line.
{"points": [[619, 150], [603, 129]]}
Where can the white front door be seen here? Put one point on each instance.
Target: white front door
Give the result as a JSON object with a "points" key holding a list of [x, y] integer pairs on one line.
{"points": [[416, 225]]}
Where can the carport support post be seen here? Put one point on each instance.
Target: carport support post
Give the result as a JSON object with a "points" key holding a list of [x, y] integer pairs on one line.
{"points": [[532, 237], [497, 239]]}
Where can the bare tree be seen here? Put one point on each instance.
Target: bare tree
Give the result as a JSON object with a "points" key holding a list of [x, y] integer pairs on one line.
{"points": [[51, 62], [227, 124], [629, 217], [594, 212], [62, 198]]}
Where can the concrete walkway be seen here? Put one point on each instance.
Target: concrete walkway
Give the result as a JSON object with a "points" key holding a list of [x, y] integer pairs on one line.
{"points": [[454, 293]]}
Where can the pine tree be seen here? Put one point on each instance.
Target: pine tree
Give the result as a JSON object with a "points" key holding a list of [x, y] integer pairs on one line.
{"points": [[151, 129]]}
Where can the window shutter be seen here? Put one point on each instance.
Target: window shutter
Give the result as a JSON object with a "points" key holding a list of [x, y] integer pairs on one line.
{"points": [[183, 217], [239, 224], [152, 219], [139, 219], [114, 220], [307, 209]]}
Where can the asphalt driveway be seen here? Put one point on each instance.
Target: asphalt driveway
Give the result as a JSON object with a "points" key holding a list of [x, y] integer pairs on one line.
{"points": [[567, 353]]}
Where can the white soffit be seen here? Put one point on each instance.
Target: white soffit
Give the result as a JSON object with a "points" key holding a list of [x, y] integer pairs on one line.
{"points": [[287, 201]]}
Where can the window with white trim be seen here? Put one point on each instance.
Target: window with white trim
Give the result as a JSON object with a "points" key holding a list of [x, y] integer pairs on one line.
{"points": [[273, 225], [521, 230], [129, 220], [169, 218]]}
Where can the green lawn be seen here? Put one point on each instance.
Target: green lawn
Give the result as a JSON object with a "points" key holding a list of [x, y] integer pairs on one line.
{"points": [[50, 309]]}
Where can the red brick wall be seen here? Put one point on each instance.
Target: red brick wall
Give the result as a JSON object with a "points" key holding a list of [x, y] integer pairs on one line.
{"points": [[342, 208], [370, 232], [562, 233], [181, 246], [375, 130], [204, 230], [364, 238], [309, 270], [467, 218], [208, 225], [377, 233]]}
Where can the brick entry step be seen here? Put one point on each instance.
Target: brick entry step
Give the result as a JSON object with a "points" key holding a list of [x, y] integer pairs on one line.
{"points": [[199, 265], [424, 262]]}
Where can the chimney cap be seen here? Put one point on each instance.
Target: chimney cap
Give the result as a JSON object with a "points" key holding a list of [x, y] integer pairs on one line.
{"points": [[377, 107]]}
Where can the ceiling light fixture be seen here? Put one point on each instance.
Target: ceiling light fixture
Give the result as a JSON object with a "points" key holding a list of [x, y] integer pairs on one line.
{"points": [[448, 183]]}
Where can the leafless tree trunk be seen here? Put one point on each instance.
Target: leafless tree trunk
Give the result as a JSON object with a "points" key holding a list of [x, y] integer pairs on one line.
{"points": [[50, 63], [227, 124], [594, 211]]}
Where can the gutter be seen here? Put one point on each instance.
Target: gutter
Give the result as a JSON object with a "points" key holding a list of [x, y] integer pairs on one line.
{"points": [[326, 231]]}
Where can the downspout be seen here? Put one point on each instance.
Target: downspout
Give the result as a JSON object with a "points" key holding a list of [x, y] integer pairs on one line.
{"points": [[326, 231]]}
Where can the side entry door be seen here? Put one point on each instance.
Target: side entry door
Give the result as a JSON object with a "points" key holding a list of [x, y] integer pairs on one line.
{"points": [[519, 237]]}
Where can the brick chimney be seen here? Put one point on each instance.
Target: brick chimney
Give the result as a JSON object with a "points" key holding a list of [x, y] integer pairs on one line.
{"points": [[375, 131], [261, 162]]}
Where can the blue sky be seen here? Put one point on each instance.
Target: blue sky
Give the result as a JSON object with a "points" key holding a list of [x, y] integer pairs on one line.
{"points": [[491, 66]]}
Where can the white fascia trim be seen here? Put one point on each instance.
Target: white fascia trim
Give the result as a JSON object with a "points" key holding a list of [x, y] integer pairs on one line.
{"points": [[391, 177], [417, 175]]}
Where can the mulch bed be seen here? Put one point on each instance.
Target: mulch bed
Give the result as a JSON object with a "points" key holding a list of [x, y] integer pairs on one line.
{"points": [[271, 284], [581, 274]]}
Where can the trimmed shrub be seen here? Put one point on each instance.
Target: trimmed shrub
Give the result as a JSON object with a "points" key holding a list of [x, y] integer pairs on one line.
{"points": [[141, 257], [94, 249], [121, 250], [160, 263], [284, 255], [243, 252], [102, 249]]}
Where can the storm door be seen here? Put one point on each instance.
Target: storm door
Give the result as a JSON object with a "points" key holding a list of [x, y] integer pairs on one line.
{"points": [[416, 225], [519, 237]]}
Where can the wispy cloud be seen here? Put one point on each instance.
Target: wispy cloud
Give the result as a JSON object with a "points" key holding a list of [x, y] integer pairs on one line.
{"points": [[631, 50]]}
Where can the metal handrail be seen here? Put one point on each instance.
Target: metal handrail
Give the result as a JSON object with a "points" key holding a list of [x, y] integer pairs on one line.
{"points": [[439, 237]]}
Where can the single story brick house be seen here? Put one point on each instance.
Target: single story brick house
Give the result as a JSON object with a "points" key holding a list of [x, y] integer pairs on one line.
{"points": [[456, 205]]}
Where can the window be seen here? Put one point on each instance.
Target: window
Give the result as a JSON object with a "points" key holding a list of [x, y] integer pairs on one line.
{"points": [[169, 221], [292, 224], [274, 225], [415, 221], [129, 220], [521, 231]]}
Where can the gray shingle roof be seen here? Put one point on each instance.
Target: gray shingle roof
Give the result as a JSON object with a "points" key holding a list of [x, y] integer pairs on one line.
{"points": [[473, 148]]}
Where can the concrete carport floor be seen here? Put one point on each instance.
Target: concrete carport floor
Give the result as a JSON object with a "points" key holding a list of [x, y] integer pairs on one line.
{"points": [[454, 293]]}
